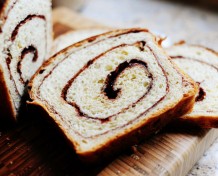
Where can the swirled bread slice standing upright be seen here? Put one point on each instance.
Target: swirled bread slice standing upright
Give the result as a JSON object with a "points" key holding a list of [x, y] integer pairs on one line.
{"points": [[111, 90], [25, 42], [202, 65]]}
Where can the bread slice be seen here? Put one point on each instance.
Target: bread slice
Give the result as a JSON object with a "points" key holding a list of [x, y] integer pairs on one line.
{"points": [[25, 42], [202, 65], [111, 90], [72, 37]]}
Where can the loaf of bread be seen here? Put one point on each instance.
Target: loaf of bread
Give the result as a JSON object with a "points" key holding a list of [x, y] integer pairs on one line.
{"points": [[202, 65], [72, 37], [111, 90], [25, 42]]}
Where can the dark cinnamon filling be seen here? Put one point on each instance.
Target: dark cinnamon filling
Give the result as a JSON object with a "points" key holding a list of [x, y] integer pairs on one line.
{"points": [[111, 78], [27, 50], [201, 95], [28, 18], [110, 88]]}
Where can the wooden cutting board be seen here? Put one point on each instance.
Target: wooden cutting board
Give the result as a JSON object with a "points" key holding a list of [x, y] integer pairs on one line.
{"points": [[35, 147]]}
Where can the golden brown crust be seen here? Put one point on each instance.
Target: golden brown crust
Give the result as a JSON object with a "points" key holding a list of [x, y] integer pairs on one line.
{"points": [[76, 45], [130, 136], [201, 121], [6, 104], [153, 125], [119, 143], [136, 136]]}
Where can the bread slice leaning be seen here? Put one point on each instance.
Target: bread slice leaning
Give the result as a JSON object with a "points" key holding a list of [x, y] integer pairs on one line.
{"points": [[72, 37], [111, 91], [25, 42], [202, 65]]}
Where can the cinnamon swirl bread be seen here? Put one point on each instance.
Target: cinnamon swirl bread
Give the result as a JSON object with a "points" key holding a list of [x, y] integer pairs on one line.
{"points": [[25, 41], [202, 65], [111, 90], [72, 37]]}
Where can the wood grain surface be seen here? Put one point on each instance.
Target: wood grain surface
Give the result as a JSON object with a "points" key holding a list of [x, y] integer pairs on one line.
{"points": [[34, 146]]}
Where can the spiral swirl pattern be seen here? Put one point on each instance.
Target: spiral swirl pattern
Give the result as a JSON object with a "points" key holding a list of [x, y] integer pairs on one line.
{"points": [[107, 84], [26, 34]]}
